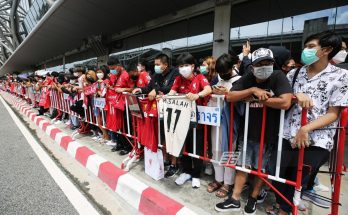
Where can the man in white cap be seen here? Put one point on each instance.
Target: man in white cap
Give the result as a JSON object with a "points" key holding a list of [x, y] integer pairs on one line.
{"points": [[262, 86]]}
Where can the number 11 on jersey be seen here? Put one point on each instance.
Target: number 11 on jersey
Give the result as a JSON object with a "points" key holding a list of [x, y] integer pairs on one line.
{"points": [[169, 119]]}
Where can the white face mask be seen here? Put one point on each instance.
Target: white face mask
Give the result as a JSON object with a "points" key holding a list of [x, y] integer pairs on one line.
{"points": [[185, 71], [76, 74], [139, 68], [100, 75], [340, 57], [263, 72]]}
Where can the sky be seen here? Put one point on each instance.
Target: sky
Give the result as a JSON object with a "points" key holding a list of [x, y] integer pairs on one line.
{"points": [[275, 27]]}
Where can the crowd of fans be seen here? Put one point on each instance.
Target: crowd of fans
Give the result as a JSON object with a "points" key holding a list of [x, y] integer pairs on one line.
{"points": [[264, 77]]}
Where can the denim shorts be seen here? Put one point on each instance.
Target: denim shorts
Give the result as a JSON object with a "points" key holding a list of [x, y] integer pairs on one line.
{"points": [[252, 156]]}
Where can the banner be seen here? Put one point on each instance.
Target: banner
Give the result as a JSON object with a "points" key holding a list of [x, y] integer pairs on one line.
{"points": [[209, 115], [99, 102]]}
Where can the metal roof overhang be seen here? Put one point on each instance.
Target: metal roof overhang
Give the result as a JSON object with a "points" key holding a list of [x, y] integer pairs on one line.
{"points": [[69, 22]]}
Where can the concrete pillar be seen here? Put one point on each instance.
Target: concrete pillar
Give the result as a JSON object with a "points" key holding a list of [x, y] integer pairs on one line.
{"points": [[222, 25], [314, 26], [102, 60], [64, 63]]}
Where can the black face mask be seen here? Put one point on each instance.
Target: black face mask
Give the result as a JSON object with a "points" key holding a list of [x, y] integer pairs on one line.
{"points": [[226, 76], [134, 77], [60, 80], [90, 79]]}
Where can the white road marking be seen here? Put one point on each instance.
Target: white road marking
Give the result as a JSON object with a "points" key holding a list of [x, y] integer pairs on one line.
{"points": [[77, 199]]}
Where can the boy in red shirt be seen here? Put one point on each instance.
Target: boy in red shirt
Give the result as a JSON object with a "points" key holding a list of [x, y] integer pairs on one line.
{"points": [[119, 80]]}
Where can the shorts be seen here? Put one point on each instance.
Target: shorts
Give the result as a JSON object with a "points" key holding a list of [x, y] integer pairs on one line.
{"points": [[252, 156]]}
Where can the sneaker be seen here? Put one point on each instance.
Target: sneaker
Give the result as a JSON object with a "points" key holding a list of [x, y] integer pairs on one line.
{"points": [[68, 122], [183, 177], [311, 196], [262, 196], [171, 171], [196, 183], [208, 169], [125, 151], [58, 122], [110, 143], [95, 138], [117, 147], [101, 141], [321, 188], [228, 205], [250, 207]]}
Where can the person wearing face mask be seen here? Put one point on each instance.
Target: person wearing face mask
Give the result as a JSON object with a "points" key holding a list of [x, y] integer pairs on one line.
{"points": [[224, 176], [57, 85], [100, 93], [161, 83], [195, 86], [137, 78], [162, 80], [119, 80], [207, 68], [262, 86], [142, 66], [69, 89], [341, 56], [289, 65], [322, 88]]}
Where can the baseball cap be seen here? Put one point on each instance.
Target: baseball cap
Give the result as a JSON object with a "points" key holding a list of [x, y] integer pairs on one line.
{"points": [[261, 54]]}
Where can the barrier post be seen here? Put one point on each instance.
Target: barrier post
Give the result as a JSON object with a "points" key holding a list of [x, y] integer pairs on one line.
{"points": [[339, 163]]}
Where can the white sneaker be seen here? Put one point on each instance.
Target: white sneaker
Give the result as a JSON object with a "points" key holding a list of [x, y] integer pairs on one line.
{"points": [[95, 138], [196, 183], [58, 122], [101, 141], [320, 187], [182, 178], [110, 143]]}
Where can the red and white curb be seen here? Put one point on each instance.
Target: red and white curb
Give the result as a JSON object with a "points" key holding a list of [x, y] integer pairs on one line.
{"points": [[142, 197]]}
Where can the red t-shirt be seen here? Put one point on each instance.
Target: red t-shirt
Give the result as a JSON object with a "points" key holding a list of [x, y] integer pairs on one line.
{"points": [[183, 86], [122, 80], [142, 81], [148, 127]]}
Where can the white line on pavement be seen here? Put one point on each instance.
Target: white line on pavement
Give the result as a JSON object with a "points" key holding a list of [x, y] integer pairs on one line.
{"points": [[76, 198]]}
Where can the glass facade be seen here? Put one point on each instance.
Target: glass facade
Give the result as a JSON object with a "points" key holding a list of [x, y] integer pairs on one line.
{"points": [[35, 13]]}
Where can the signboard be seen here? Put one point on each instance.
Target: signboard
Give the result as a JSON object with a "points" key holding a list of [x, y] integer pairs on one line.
{"points": [[209, 115]]}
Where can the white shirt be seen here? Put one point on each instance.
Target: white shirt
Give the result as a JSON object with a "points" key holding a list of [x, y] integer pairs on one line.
{"points": [[227, 84], [81, 81], [329, 88]]}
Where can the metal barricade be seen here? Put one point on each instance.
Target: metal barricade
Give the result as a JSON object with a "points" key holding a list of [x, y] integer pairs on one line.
{"points": [[228, 159]]}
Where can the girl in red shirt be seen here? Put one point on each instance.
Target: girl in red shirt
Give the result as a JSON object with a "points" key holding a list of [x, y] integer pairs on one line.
{"points": [[196, 86]]}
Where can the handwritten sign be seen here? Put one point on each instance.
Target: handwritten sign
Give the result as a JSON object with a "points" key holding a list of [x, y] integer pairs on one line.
{"points": [[208, 115], [99, 102]]}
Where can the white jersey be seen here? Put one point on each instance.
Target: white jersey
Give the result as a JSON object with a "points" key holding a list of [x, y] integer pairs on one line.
{"points": [[177, 117]]}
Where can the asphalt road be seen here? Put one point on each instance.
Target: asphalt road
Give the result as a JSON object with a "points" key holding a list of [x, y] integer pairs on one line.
{"points": [[25, 185]]}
